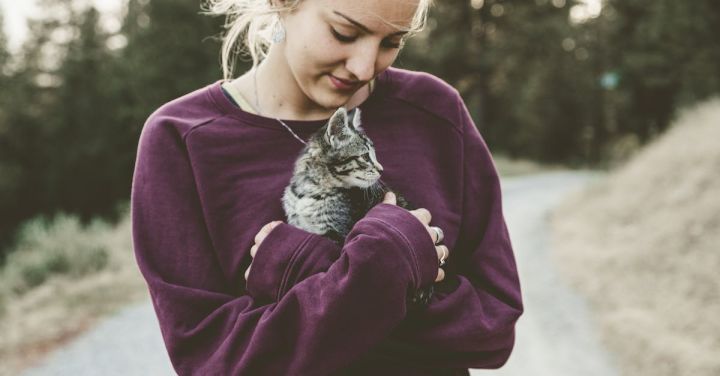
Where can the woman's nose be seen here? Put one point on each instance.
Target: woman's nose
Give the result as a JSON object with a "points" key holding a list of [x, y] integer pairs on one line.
{"points": [[362, 63]]}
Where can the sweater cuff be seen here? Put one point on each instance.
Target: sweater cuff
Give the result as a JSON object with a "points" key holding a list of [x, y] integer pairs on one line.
{"points": [[416, 236], [284, 258], [315, 255]]}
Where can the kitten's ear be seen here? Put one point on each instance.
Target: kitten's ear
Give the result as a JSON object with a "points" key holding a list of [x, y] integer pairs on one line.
{"points": [[337, 129], [356, 119]]}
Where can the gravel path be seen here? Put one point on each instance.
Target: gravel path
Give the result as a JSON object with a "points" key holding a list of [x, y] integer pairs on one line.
{"points": [[554, 336]]}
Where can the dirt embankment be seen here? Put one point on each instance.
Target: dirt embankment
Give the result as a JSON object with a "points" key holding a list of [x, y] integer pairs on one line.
{"points": [[644, 246]]}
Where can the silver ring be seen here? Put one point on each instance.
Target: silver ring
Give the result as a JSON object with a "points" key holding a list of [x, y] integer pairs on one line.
{"points": [[440, 234], [444, 256]]}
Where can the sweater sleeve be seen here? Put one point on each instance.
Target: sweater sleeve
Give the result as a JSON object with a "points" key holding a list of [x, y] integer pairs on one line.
{"points": [[320, 324], [285, 257], [470, 320]]}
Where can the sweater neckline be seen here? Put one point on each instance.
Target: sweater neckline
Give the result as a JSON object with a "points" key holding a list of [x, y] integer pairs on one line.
{"points": [[231, 110]]}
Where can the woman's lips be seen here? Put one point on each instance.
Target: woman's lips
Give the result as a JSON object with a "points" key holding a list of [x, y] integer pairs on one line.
{"points": [[343, 85]]}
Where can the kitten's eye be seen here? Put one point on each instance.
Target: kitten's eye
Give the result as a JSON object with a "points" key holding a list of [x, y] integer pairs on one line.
{"points": [[342, 38]]}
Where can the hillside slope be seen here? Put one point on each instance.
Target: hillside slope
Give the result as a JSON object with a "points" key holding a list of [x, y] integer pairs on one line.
{"points": [[644, 246]]}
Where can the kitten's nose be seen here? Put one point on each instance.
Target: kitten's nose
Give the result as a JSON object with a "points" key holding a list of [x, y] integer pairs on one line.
{"points": [[378, 166]]}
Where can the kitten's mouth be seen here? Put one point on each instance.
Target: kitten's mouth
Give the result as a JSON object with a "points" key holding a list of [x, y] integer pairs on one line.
{"points": [[363, 181], [370, 180], [372, 175]]}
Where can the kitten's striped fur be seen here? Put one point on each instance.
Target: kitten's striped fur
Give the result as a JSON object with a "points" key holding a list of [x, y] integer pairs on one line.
{"points": [[336, 179]]}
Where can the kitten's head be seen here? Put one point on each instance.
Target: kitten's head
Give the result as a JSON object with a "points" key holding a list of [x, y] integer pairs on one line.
{"points": [[348, 153]]}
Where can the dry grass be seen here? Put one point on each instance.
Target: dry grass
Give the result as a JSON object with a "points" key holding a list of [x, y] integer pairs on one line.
{"points": [[37, 319], [644, 246]]}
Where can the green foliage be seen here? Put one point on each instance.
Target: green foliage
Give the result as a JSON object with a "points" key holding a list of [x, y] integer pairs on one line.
{"points": [[667, 53], [4, 53], [72, 113], [531, 78], [60, 246], [530, 95]]}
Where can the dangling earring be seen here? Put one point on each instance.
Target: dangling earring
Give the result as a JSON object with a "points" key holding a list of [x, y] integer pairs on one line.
{"points": [[278, 34]]}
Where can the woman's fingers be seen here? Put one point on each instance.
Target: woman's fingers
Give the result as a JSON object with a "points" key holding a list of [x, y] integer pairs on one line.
{"points": [[247, 272], [390, 199], [423, 215], [265, 230], [440, 276], [442, 251], [433, 234]]}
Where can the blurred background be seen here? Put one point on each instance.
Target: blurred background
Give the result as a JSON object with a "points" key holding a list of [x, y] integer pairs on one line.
{"points": [[622, 88]]}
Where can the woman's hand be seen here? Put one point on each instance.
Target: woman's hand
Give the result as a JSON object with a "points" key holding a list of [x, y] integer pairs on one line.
{"points": [[264, 231], [424, 216]]}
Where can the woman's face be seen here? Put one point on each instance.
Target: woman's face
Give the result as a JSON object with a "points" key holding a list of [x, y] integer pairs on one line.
{"points": [[334, 47]]}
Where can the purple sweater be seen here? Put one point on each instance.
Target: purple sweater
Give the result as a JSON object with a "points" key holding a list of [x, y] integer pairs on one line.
{"points": [[208, 176]]}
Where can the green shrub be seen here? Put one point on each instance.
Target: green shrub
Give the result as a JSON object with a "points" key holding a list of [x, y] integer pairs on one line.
{"points": [[60, 246]]}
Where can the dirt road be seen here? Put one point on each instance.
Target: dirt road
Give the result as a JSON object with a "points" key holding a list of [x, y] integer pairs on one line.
{"points": [[554, 337]]}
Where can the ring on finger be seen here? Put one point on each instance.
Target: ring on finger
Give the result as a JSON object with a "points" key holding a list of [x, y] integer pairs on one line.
{"points": [[444, 256], [439, 233]]}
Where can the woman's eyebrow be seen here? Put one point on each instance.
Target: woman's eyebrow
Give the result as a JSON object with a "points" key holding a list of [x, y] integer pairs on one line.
{"points": [[363, 27]]}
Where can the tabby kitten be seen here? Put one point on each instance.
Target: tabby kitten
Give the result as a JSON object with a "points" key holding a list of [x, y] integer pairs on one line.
{"points": [[336, 181]]}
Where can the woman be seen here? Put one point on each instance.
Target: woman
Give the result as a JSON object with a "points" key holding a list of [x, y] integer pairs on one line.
{"points": [[239, 292]]}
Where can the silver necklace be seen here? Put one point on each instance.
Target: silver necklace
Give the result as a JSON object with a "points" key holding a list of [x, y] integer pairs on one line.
{"points": [[257, 109]]}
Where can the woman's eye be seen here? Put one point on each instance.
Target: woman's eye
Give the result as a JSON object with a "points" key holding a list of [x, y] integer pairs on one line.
{"points": [[393, 44], [388, 44], [341, 37], [348, 39]]}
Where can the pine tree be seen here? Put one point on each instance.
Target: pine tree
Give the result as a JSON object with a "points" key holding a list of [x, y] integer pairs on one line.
{"points": [[4, 52], [24, 131], [515, 63], [81, 173], [667, 53], [170, 50]]}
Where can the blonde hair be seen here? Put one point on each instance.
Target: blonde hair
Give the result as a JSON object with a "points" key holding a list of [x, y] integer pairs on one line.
{"points": [[251, 22]]}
